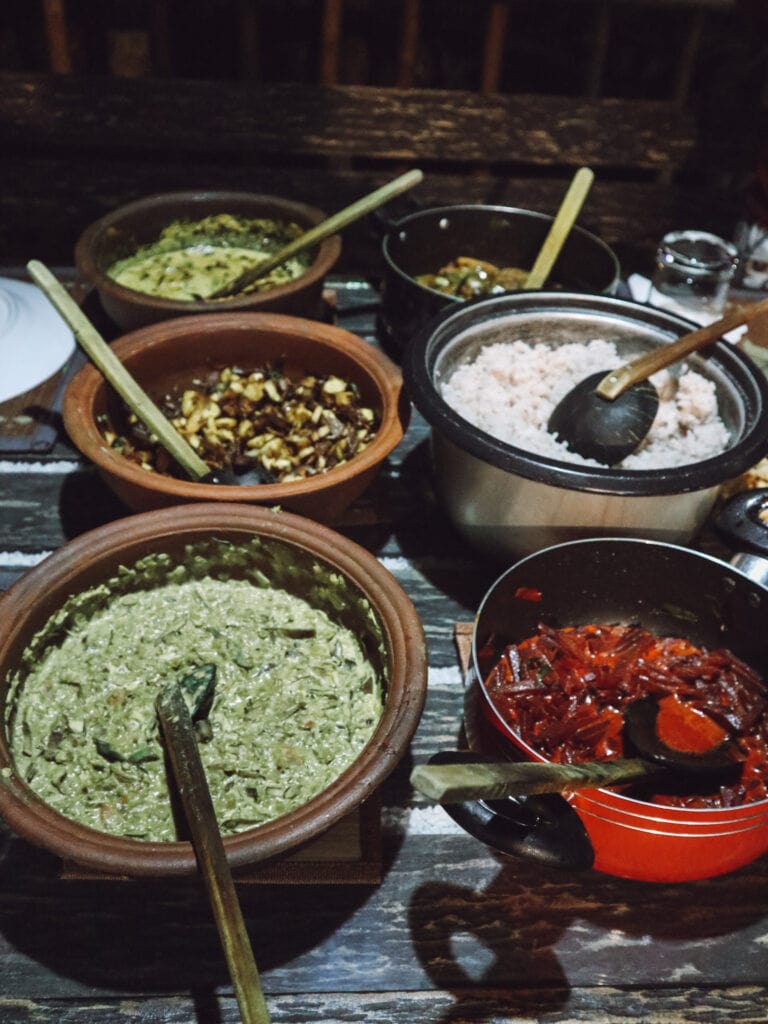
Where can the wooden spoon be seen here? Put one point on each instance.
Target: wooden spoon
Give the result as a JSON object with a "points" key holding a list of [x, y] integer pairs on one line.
{"points": [[457, 776], [121, 380], [192, 784], [560, 228], [607, 415], [323, 230], [446, 781]]}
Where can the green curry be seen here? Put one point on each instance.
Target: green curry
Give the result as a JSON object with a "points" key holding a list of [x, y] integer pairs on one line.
{"points": [[297, 696], [191, 260]]}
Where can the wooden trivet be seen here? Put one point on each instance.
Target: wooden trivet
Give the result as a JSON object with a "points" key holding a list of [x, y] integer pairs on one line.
{"points": [[349, 853], [462, 637]]}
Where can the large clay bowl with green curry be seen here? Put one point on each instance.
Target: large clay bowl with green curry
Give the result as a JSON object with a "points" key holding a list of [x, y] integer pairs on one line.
{"points": [[161, 256], [315, 656]]}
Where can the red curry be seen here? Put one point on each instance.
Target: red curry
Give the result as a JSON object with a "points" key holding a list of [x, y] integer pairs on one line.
{"points": [[562, 691]]}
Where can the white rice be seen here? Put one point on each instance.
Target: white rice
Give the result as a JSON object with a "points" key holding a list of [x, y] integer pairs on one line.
{"points": [[510, 389]]}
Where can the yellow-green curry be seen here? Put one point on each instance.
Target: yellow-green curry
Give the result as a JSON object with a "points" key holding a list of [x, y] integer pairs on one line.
{"points": [[191, 260]]}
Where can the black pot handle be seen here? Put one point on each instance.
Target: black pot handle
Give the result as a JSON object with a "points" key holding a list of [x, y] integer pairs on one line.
{"points": [[544, 828], [740, 522], [386, 218]]}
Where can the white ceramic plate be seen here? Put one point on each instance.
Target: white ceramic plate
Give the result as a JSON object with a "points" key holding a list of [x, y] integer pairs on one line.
{"points": [[34, 340]]}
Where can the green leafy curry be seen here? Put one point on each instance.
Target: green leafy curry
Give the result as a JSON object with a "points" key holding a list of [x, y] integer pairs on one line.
{"points": [[296, 693]]}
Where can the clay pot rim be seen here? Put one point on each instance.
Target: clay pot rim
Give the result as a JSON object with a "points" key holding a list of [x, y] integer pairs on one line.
{"points": [[40, 824], [85, 386]]}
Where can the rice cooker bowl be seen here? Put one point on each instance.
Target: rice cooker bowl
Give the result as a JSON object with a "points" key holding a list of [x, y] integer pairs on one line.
{"points": [[508, 501]]}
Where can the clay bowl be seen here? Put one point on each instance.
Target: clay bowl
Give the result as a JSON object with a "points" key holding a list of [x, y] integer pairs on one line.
{"points": [[297, 555], [174, 352], [121, 231]]}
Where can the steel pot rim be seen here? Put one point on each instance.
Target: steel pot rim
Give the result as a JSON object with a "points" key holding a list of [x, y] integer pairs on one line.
{"points": [[421, 355]]}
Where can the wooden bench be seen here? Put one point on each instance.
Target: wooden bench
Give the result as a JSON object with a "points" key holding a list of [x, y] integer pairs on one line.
{"points": [[75, 147]]}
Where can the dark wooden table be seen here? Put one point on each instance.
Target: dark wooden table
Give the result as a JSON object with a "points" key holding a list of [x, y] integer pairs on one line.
{"points": [[451, 933]]}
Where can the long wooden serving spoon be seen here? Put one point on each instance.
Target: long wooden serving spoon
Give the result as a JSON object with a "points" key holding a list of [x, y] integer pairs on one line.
{"points": [[122, 381], [458, 776], [560, 228], [323, 230], [183, 753], [607, 415]]}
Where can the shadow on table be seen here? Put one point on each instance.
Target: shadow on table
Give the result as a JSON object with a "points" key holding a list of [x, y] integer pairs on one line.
{"points": [[534, 934], [138, 935], [426, 535], [86, 502]]}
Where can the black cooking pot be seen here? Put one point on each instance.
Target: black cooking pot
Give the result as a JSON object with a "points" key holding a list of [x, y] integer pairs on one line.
{"points": [[422, 242]]}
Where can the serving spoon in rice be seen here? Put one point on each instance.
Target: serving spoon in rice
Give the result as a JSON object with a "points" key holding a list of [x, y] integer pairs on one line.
{"points": [[608, 414]]}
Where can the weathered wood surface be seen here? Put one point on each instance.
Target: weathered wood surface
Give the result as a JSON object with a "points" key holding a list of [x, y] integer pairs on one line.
{"points": [[288, 120], [74, 148], [453, 932]]}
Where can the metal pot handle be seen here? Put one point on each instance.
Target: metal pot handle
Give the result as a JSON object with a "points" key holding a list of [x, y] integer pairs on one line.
{"points": [[387, 218], [742, 523]]}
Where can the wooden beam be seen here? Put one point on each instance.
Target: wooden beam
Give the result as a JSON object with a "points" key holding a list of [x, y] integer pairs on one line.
{"points": [[57, 37]]}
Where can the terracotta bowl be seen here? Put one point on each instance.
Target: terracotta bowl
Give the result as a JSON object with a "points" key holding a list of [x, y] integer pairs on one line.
{"points": [[122, 231], [94, 557], [174, 352]]}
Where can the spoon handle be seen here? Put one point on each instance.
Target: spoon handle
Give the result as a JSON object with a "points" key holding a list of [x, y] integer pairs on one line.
{"points": [[121, 380], [455, 783], [323, 230], [195, 796], [561, 226], [618, 380]]}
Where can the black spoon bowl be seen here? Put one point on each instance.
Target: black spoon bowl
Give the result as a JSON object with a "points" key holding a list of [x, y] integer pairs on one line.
{"points": [[608, 414], [600, 428]]}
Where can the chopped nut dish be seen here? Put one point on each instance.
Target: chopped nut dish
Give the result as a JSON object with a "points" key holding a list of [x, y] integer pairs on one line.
{"points": [[287, 428]]}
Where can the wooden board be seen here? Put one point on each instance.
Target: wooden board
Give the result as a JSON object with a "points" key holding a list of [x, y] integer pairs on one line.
{"points": [[349, 853]]}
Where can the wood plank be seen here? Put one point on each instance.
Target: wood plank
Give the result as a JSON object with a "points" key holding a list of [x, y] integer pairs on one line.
{"points": [[448, 914], [162, 117], [473, 1004], [46, 202]]}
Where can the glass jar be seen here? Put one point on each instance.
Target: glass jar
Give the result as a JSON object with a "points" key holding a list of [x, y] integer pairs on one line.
{"points": [[693, 272]]}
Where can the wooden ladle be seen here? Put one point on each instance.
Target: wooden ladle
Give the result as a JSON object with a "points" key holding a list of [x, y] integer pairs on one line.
{"points": [[457, 776], [125, 384], [608, 414], [323, 230], [181, 744]]}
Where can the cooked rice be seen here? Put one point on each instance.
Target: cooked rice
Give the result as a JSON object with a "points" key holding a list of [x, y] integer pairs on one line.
{"points": [[510, 389]]}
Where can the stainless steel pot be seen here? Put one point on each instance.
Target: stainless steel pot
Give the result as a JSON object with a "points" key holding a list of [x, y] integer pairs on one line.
{"points": [[507, 501]]}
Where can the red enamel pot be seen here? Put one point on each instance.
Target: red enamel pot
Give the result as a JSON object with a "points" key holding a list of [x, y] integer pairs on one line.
{"points": [[669, 590]]}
